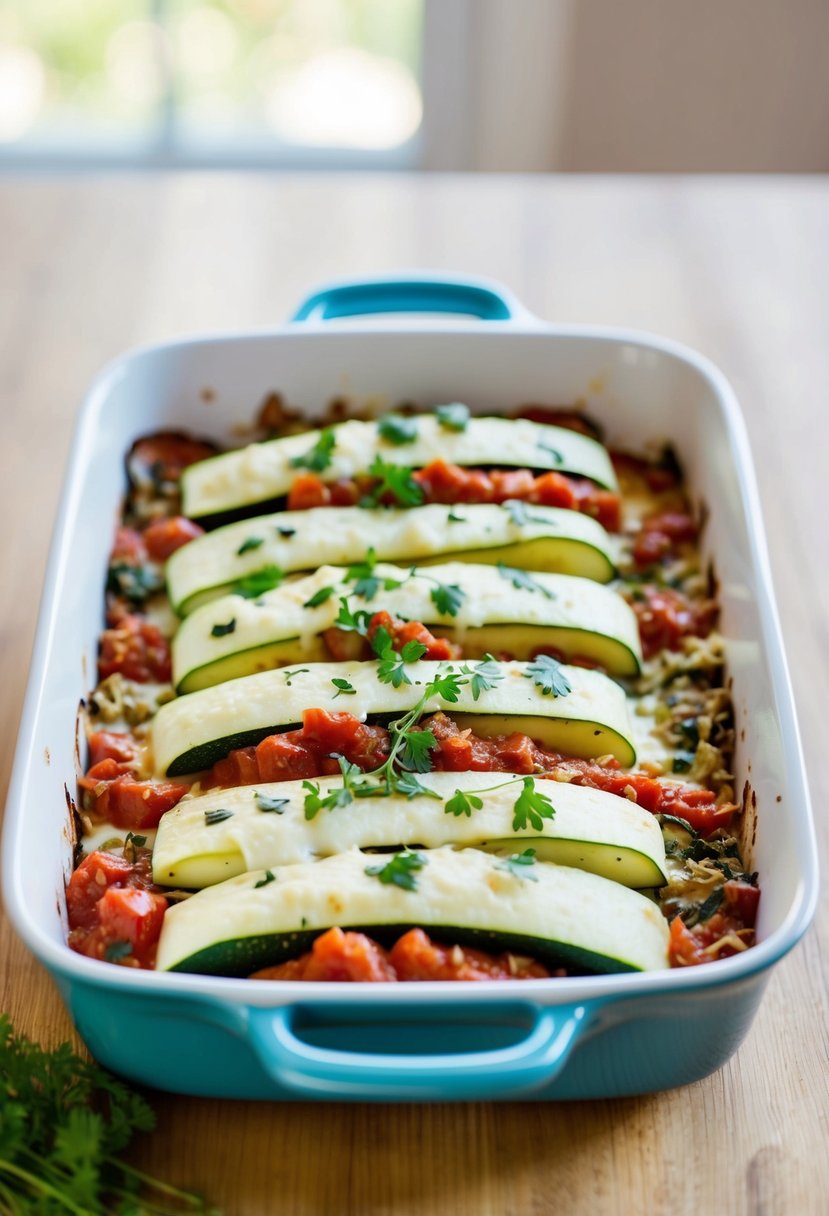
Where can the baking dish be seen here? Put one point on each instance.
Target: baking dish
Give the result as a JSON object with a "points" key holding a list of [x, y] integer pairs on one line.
{"points": [[595, 1036]]}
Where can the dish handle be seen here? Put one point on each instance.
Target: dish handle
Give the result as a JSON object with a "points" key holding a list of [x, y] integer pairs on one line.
{"points": [[309, 1070], [425, 293]]}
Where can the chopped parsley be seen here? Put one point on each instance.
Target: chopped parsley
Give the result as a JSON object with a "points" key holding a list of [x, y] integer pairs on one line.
{"points": [[392, 666], [409, 785], [263, 882], [366, 582], [462, 803], [221, 631], [319, 597], [546, 673], [415, 754], [519, 513], [519, 865], [318, 458], [531, 806], [289, 675], [400, 871], [217, 816], [485, 675], [394, 481], [315, 801], [523, 581], [453, 518], [134, 583], [447, 598], [397, 430], [271, 805], [247, 546], [258, 582], [354, 622], [344, 689], [553, 452], [453, 417], [286, 532]]}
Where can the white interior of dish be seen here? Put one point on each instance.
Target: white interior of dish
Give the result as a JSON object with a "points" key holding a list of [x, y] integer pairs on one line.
{"points": [[643, 392]]}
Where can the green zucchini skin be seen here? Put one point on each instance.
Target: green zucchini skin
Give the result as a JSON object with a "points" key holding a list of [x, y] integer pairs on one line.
{"points": [[576, 616], [262, 472], [589, 829], [191, 733], [552, 539], [257, 919]]}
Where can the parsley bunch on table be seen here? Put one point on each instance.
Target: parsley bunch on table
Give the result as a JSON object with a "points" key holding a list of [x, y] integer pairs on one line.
{"points": [[63, 1122]]}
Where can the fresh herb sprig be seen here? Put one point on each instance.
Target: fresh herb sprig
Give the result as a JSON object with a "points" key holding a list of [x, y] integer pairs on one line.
{"points": [[318, 458], [400, 871], [394, 481], [65, 1122], [523, 581]]}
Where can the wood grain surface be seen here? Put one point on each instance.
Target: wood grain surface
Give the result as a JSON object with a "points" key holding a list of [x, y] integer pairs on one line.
{"points": [[736, 267]]}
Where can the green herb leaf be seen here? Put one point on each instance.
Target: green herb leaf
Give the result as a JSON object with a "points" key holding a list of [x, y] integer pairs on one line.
{"points": [[267, 804], [221, 631], [454, 518], [531, 807], [286, 533], [318, 458], [252, 542], [394, 481], [133, 583], [381, 642], [397, 430], [447, 686], [519, 513], [217, 816], [115, 951], [367, 584], [447, 598], [523, 581], [392, 666], [289, 675], [546, 673], [518, 864], [416, 751], [319, 597], [485, 675], [344, 689], [453, 417], [263, 882], [551, 451], [356, 622], [316, 802], [408, 784], [463, 804], [400, 871], [258, 582]]}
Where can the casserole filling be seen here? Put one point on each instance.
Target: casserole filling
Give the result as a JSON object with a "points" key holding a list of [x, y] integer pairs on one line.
{"points": [[314, 805]]}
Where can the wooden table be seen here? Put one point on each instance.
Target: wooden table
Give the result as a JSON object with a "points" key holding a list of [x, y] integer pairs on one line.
{"points": [[736, 267]]}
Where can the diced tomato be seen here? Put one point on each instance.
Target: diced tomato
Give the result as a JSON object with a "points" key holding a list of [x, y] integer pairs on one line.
{"points": [[720, 936], [650, 547], [416, 957], [344, 493], [604, 506], [137, 649], [511, 483], [684, 950], [113, 911], [129, 547], [279, 758], [336, 957], [667, 616], [554, 490], [162, 457], [741, 901], [165, 536], [344, 645], [112, 745], [402, 632], [308, 491], [114, 794], [361, 744], [90, 880], [449, 483], [661, 535]]}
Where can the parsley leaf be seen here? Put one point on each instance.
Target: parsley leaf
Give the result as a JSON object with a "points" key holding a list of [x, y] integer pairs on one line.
{"points": [[357, 622], [318, 458], [134, 583], [463, 804], [409, 785], [263, 882], [289, 675], [343, 688], [454, 518], [554, 452], [286, 532], [397, 430], [394, 481], [453, 417], [221, 631], [518, 864], [447, 686], [519, 514], [320, 596], [315, 801], [247, 546], [367, 583], [545, 672], [392, 666], [523, 581], [416, 750], [276, 805], [447, 598], [217, 816], [258, 582], [400, 870], [485, 675], [531, 806]]}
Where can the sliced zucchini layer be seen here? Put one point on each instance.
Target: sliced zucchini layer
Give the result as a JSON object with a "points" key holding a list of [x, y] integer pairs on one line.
{"points": [[573, 615], [565, 916], [193, 732], [264, 471], [267, 827], [550, 538]]}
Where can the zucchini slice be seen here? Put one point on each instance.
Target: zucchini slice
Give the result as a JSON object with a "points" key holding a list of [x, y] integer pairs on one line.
{"points": [[574, 615], [263, 472], [551, 538], [565, 917], [591, 830], [193, 732]]}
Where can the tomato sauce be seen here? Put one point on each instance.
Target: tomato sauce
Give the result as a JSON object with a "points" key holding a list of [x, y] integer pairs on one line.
{"points": [[666, 616], [115, 912], [729, 931]]}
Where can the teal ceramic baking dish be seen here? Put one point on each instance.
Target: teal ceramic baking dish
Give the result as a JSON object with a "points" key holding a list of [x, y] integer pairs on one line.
{"points": [[588, 1037]]}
